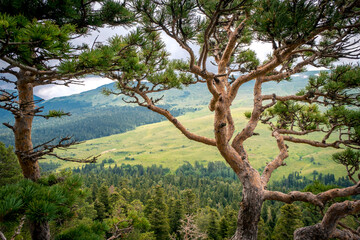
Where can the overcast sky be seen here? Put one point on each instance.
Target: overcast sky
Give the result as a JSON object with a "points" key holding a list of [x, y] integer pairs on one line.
{"points": [[102, 35], [51, 91]]}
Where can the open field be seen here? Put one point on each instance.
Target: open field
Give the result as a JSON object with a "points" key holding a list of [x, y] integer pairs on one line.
{"points": [[162, 144]]}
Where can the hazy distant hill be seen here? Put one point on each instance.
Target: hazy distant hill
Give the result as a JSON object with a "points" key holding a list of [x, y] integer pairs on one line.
{"points": [[95, 115]]}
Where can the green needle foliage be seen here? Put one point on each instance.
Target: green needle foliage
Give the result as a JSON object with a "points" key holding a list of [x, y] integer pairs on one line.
{"points": [[288, 221], [330, 103], [75, 12], [350, 159], [302, 33], [158, 215], [291, 113], [144, 64], [9, 167], [40, 202], [93, 231], [37, 47]]}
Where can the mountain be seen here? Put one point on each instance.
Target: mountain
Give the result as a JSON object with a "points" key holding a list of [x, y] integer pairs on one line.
{"points": [[162, 144], [94, 115]]}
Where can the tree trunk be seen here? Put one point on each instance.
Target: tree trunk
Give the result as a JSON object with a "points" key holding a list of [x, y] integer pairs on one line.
{"points": [[249, 214], [24, 147], [22, 129], [40, 231]]}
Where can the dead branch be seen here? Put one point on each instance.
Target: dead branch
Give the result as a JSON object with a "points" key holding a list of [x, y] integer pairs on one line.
{"points": [[2, 236], [120, 232], [18, 229], [47, 149]]}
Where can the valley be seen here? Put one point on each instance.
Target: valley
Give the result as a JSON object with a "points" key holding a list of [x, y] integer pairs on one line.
{"points": [[129, 134]]}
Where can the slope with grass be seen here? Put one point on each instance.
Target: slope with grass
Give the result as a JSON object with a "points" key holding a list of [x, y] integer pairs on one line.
{"points": [[162, 144], [94, 115]]}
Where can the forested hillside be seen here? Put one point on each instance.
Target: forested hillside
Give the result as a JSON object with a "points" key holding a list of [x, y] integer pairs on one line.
{"points": [[203, 198], [160, 143], [93, 115]]}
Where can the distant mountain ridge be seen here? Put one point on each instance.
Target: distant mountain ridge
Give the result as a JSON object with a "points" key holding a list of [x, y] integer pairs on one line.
{"points": [[94, 115]]}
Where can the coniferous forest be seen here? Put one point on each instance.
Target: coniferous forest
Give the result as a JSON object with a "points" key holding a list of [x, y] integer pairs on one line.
{"points": [[238, 52], [194, 202]]}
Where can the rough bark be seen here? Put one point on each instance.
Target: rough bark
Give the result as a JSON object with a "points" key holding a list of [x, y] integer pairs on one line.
{"points": [[249, 215], [22, 128], [327, 228], [224, 93], [40, 230], [24, 147], [311, 233]]}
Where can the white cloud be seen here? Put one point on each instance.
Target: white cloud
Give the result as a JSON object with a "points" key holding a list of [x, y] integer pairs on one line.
{"points": [[51, 91], [262, 49], [103, 34]]}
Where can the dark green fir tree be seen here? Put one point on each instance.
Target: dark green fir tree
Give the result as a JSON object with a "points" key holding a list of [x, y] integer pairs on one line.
{"points": [[213, 228], [104, 197], [9, 167], [176, 213], [100, 210], [158, 215], [288, 221]]}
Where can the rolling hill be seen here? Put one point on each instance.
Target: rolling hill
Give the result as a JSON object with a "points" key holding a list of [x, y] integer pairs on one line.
{"points": [[162, 144], [94, 115]]}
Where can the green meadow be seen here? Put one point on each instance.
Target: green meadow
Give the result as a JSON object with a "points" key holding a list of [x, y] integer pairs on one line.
{"points": [[162, 144]]}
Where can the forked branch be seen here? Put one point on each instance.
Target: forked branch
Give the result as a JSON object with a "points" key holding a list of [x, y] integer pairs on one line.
{"points": [[318, 200], [278, 161], [327, 228]]}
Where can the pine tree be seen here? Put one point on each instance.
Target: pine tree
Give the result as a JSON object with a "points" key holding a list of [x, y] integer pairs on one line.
{"points": [[263, 233], [100, 210], [224, 227], [94, 191], [149, 207], [231, 219], [104, 197], [36, 50], [176, 213], [189, 201], [39, 202], [9, 166], [288, 221], [158, 215], [213, 228]]}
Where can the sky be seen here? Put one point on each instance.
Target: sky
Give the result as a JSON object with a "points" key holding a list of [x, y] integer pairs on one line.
{"points": [[102, 35]]}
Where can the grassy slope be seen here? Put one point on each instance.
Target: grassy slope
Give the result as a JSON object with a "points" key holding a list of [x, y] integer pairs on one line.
{"points": [[161, 143]]}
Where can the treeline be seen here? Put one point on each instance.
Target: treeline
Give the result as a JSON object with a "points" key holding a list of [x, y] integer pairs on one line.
{"points": [[94, 123], [213, 185], [153, 203], [294, 181], [203, 198]]}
